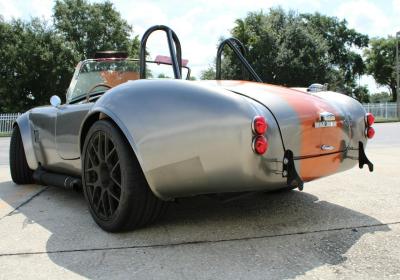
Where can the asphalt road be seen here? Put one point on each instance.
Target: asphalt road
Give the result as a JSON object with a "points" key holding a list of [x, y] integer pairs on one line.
{"points": [[346, 226]]}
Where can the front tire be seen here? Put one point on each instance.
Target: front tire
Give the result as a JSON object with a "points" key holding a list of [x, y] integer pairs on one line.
{"points": [[114, 185], [20, 172]]}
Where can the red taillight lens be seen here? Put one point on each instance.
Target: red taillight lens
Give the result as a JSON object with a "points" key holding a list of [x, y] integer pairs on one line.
{"points": [[370, 119], [260, 126], [260, 145], [370, 132]]}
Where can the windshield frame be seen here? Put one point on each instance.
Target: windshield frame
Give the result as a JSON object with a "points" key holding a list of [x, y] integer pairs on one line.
{"points": [[81, 64]]}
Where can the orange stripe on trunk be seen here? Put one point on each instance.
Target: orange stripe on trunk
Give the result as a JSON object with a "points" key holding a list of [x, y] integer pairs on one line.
{"points": [[308, 108]]}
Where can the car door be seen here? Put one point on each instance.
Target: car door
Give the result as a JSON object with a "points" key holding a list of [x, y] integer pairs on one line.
{"points": [[68, 123]]}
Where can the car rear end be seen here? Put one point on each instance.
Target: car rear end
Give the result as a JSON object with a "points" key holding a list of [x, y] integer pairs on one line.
{"points": [[322, 132]]}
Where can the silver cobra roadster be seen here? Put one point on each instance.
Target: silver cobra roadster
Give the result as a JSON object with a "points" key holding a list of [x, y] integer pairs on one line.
{"points": [[135, 134]]}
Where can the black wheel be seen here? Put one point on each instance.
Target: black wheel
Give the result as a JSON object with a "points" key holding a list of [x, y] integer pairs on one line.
{"points": [[115, 188], [19, 169]]}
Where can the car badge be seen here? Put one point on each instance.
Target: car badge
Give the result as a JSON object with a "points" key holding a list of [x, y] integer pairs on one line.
{"points": [[326, 119]]}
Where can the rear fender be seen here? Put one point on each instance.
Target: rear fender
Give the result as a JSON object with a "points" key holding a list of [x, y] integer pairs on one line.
{"points": [[191, 138]]}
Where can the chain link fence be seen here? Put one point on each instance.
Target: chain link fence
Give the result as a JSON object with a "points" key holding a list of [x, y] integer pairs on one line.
{"points": [[385, 111], [6, 123]]}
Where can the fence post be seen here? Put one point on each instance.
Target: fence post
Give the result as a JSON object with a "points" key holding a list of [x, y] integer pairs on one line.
{"points": [[386, 109]]}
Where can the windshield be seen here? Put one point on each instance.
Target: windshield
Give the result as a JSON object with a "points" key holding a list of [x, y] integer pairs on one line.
{"points": [[96, 76], [111, 72]]}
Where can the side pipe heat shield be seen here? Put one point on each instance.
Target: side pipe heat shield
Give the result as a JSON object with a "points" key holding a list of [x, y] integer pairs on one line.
{"points": [[46, 178]]}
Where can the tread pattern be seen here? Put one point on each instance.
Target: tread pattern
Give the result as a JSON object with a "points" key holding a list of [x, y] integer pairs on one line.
{"points": [[19, 169]]}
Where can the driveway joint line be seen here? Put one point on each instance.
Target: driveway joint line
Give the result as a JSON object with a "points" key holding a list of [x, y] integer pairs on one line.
{"points": [[25, 202], [197, 242]]}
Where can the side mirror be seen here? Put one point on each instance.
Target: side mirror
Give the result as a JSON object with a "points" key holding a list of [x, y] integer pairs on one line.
{"points": [[55, 101]]}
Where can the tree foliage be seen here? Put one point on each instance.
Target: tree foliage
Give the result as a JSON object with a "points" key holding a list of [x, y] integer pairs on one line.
{"points": [[361, 93], [93, 27], [208, 74], [35, 63], [37, 59], [380, 97], [298, 49], [380, 60]]}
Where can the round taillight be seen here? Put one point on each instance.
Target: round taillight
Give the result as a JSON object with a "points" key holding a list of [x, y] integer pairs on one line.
{"points": [[260, 145], [260, 126], [370, 119], [370, 132]]}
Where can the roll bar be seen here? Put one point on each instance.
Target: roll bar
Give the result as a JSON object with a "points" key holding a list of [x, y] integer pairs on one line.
{"points": [[233, 43], [175, 51]]}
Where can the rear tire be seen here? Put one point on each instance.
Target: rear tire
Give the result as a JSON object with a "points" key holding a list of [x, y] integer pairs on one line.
{"points": [[20, 172], [114, 185]]}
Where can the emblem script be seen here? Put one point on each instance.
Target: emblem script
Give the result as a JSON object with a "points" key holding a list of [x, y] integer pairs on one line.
{"points": [[326, 119]]}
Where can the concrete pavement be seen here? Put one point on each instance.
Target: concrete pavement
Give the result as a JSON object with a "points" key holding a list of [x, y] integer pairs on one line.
{"points": [[346, 226]]}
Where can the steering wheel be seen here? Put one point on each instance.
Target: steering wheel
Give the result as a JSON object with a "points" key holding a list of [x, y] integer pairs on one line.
{"points": [[94, 87]]}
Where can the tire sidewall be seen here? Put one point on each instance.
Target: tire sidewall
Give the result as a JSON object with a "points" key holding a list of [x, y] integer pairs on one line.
{"points": [[123, 150]]}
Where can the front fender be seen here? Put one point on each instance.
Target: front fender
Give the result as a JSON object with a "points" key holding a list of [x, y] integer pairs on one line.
{"points": [[25, 128]]}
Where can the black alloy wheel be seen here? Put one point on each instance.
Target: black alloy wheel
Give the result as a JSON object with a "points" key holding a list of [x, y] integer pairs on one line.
{"points": [[114, 185], [103, 175]]}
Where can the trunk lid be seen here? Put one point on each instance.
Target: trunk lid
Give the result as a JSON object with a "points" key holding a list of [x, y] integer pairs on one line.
{"points": [[310, 125]]}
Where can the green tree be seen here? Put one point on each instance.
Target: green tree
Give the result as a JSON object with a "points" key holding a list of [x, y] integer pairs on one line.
{"points": [[380, 60], [37, 59], [340, 41], [380, 97], [35, 63], [298, 49], [280, 49], [361, 93], [93, 27], [208, 74]]}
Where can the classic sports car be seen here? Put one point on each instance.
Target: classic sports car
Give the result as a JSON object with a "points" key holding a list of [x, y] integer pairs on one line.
{"points": [[133, 143]]}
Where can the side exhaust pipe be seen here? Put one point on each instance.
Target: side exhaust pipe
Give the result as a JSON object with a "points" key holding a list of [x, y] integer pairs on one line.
{"points": [[44, 177]]}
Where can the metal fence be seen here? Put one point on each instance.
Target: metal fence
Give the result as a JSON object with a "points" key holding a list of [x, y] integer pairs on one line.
{"points": [[6, 123], [382, 110]]}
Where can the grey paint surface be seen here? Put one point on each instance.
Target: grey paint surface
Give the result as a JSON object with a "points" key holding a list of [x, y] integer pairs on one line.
{"points": [[194, 140], [340, 227], [26, 130], [69, 119], [191, 138]]}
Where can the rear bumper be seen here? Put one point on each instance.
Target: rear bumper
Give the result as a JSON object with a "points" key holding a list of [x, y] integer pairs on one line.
{"points": [[311, 168]]}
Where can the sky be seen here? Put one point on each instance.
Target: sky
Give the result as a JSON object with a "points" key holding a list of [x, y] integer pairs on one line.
{"points": [[200, 23]]}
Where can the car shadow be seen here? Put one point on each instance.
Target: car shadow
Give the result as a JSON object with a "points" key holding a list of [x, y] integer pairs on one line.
{"points": [[323, 231]]}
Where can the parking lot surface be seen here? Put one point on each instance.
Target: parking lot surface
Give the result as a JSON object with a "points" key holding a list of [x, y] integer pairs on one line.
{"points": [[346, 226]]}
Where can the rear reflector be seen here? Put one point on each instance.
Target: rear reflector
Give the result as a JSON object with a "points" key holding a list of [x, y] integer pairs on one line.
{"points": [[259, 125], [369, 132], [370, 119], [260, 145]]}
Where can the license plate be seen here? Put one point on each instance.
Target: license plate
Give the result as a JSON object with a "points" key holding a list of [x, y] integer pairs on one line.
{"points": [[325, 124]]}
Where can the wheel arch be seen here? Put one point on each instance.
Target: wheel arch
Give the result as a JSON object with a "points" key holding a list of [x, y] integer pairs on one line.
{"points": [[25, 128], [101, 113]]}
